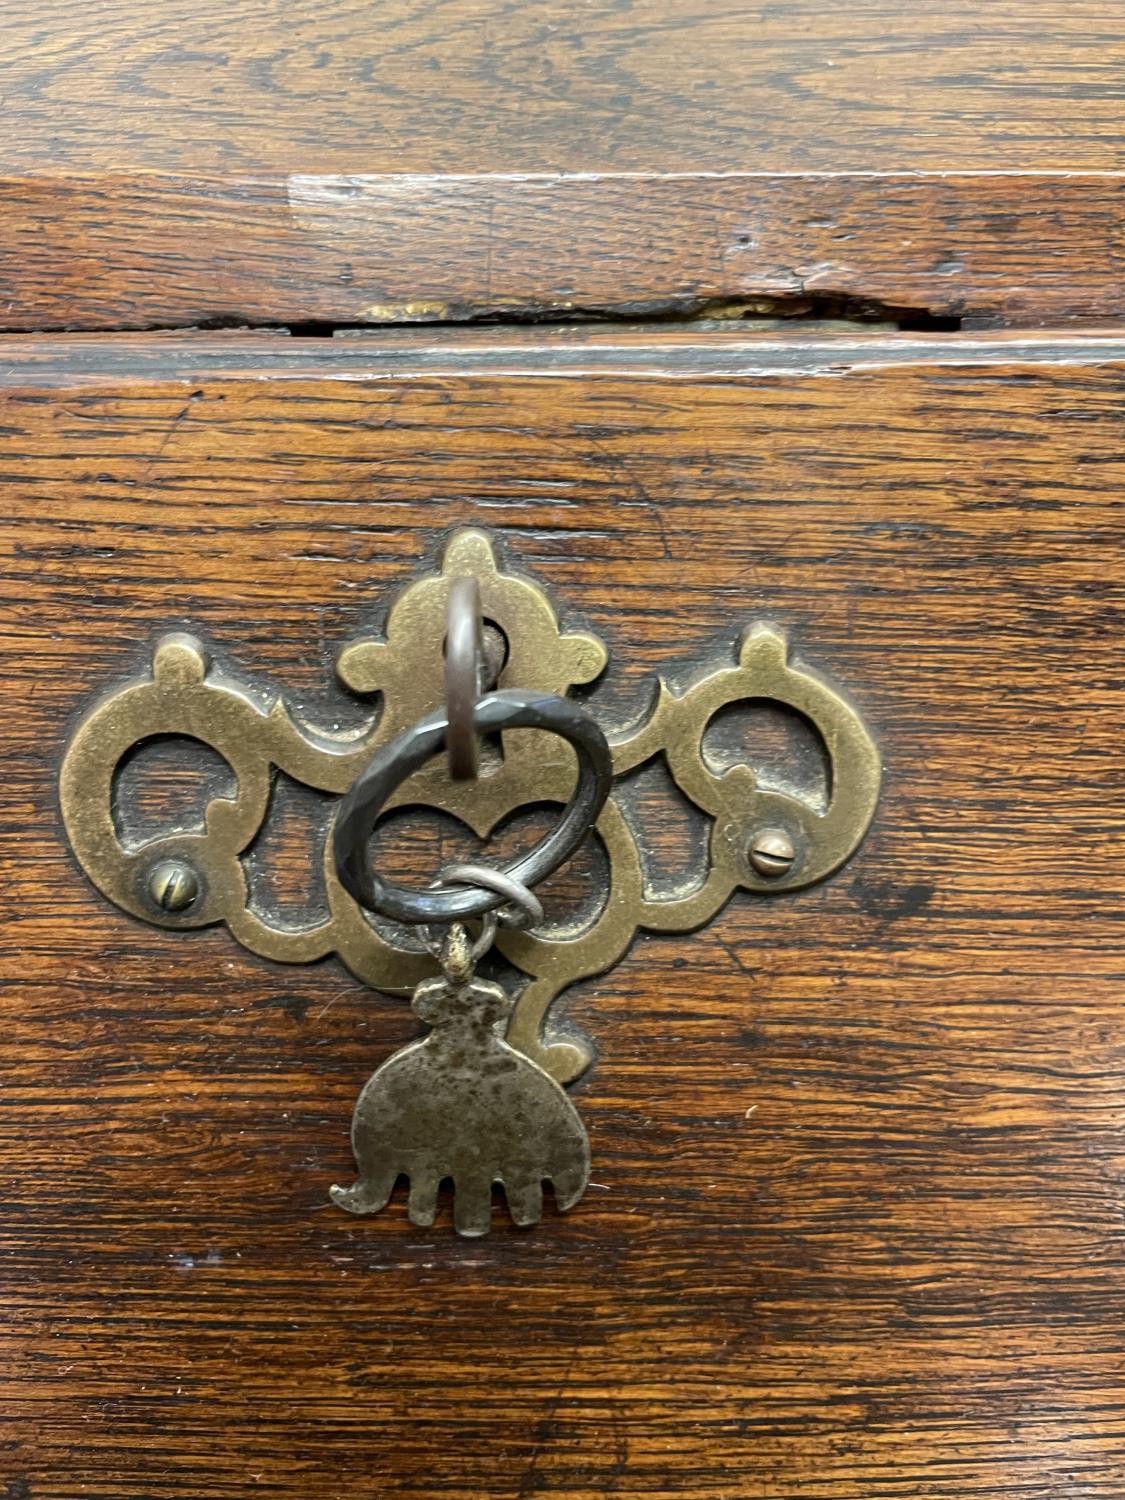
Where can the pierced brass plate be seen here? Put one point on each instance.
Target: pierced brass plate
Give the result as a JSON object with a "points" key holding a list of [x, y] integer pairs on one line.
{"points": [[762, 839]]}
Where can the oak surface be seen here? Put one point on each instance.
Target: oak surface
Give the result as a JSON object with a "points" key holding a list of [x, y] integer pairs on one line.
{"points": [[193, 161], [856, 1232], [469, 86]]}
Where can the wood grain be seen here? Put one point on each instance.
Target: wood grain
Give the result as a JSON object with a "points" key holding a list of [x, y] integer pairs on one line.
{"points": [[172, 164], [857, 1229], [469, 86], [134, 251]]}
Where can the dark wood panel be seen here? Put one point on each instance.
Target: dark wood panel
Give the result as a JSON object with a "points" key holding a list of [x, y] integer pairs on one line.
{"points": [[175, 163], [139, 250], [858, 1223], [456, 86]]}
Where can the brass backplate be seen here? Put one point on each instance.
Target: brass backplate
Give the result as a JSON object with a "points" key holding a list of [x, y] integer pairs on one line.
{"points": [[762, 839]]}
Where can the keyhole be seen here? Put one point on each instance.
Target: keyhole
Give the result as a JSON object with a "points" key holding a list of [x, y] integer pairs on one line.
{"points": [[494, 655]]}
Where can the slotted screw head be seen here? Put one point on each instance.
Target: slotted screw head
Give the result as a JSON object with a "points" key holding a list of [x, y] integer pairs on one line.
{"points": [[772, 853], [173, 885]]}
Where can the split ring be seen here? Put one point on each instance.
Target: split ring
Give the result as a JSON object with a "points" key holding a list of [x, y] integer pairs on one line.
{"points": [[401, 757], [524, 908]]}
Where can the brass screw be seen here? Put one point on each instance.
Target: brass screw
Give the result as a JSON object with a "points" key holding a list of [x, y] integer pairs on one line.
{"points": [[772, 853], [173, 885]]}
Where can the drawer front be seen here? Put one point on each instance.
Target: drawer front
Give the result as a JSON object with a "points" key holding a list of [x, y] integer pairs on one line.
{"points": [[854, 1225]]}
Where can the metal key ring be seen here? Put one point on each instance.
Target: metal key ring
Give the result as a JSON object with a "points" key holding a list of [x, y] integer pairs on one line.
{"points": [[401, 757], [464, 652], [524, 908]]}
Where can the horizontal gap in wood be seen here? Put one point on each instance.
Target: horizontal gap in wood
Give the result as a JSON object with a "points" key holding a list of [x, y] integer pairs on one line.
{"points": [[135, 250]]}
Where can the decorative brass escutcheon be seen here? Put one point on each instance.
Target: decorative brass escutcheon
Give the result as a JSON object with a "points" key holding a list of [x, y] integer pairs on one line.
{"points": [[194, 879], [762, 839]]}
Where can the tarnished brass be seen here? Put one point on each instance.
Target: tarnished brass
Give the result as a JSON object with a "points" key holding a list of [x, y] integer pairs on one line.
{"points": [[259, 734], [772, 852], [462, 1104], [173, 885]]}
